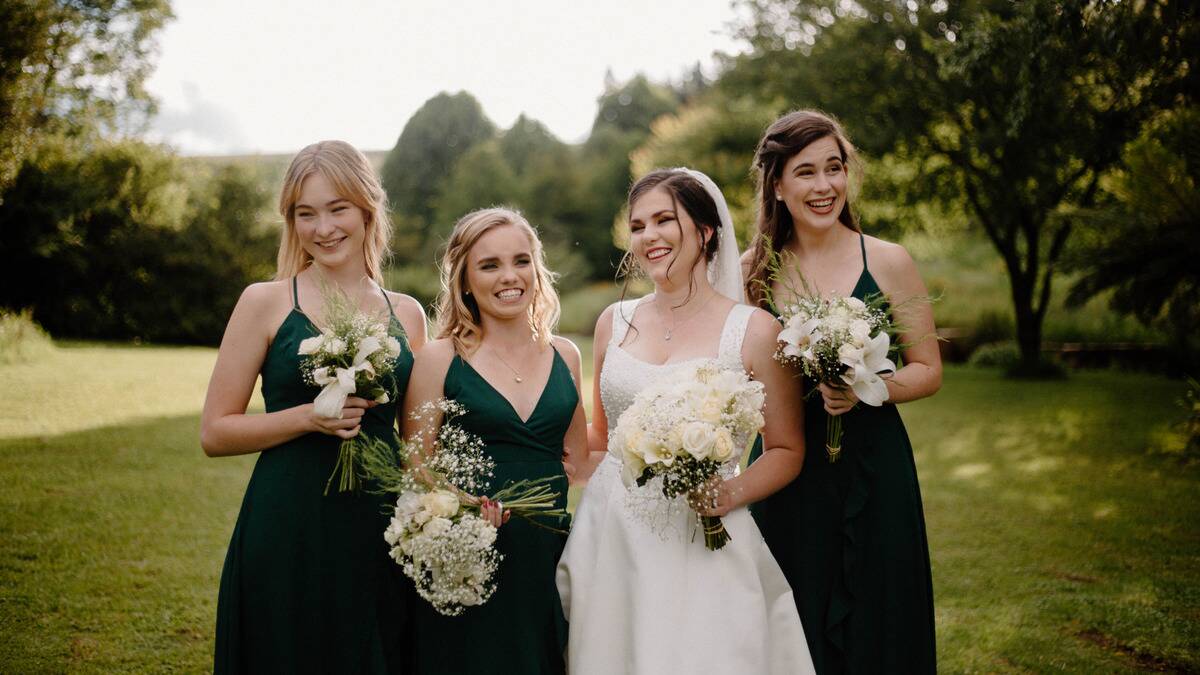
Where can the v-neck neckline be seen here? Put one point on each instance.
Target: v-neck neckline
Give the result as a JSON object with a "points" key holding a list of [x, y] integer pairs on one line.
{"points": [[499, 394]]}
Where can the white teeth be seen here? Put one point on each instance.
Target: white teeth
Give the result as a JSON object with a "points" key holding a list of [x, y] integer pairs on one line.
{"points": [[330, 244], [821, 203], [658, 253], [510, 293]]}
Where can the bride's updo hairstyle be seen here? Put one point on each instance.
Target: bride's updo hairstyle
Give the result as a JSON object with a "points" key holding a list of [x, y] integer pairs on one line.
{"points": [[458, 315], [785, 137], [687, 192], [351, 175]]}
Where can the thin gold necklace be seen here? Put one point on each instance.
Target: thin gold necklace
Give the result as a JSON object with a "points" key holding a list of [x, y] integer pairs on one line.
{"points": [[516, 374], [674, 325]]}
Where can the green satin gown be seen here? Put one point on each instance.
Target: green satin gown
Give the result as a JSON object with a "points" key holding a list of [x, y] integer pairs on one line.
{"points": [[521, 629], [308, 586], [850, 538]]}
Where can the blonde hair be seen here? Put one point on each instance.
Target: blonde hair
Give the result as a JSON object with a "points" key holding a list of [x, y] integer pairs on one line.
{"points": [[355, 180], [458, 313]]}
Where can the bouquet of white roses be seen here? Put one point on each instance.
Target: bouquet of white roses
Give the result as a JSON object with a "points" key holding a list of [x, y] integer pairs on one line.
{"points": [[436, 533], [354, 354], [683, 429], [840, 342]]}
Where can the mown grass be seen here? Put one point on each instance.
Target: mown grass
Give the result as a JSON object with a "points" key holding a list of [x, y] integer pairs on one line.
{"points": [[1059, 543]]}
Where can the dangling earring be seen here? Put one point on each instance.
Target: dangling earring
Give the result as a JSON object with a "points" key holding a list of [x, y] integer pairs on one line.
{"points": [[778, 197]]}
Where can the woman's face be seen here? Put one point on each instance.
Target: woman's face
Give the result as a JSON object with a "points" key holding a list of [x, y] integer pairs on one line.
{"points": [[813, 185], [331, 228], [663, 238], [500, 272]]}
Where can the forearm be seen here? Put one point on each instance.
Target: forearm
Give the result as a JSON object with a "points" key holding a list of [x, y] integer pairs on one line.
{"points": [[913, 381], [597, 445], [767, 475], [241, 433]]}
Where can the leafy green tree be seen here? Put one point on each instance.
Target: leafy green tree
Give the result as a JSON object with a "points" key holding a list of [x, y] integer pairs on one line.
{"points": [[75, 66], [1145, 244], [481, 179], [634, 105], [1012, 110], [445, 128]]}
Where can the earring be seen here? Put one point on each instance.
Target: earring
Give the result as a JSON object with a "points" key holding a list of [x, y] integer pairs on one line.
{"points": [[778, 197]]}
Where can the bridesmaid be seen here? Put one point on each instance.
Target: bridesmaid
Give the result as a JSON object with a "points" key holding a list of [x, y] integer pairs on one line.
{"points": [[496, 355], [307, 585], [850, 535]]}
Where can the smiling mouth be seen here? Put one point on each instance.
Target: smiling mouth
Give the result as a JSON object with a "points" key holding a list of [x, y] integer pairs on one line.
{"points": [[821, 204], [331, 244], [510, 294], [657, 253]]}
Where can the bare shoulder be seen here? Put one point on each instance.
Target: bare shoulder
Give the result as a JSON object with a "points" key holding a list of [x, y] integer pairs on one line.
{"points": [[604, 322], [762, 325], [891, 264], [410, 313], [267, 294], [568, 350], [436, 354]]}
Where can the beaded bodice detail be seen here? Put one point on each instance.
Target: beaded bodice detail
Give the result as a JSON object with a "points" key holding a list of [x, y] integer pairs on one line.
{"points": [[623, 376]]}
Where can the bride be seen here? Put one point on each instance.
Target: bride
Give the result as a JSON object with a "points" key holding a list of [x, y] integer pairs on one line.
{"points": [[640, 591]]}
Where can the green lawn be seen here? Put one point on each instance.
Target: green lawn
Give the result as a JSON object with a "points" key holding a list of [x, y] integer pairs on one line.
{"points": [[1058, 542]]}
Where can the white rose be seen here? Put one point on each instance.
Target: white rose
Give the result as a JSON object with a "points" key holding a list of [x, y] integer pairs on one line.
{"points": [[437, 527], [335, 346], [392, 345], [855, 304], [860, 330], [698, 439], [440, 504], [310, 345], [722, 445]]}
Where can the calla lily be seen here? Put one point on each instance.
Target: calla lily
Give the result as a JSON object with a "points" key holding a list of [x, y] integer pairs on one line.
{"points": [[366, 348], [865, 365], [336, 388]]}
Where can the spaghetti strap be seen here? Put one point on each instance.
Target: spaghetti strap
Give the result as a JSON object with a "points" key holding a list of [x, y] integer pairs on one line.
{"points": [[295, 295], [862, 242], [388, 301]]}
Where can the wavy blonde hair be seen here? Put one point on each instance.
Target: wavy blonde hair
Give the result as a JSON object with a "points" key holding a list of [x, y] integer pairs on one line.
{"points": [[355, 180], [458, 313]]}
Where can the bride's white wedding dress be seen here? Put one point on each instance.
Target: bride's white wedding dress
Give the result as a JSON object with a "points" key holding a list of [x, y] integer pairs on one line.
{"points": [[641, 592]]}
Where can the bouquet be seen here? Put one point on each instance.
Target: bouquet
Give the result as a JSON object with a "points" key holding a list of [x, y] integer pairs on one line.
{"points": [[436, 533], [684, 429], [354, 354], [839, 342]]}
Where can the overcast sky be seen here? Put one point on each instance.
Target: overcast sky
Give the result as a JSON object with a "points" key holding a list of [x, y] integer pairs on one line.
{"points": [[272, 76]]}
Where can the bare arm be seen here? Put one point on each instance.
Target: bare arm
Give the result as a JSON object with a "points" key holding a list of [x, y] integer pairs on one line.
{"points": [[425, 385], [783, 412], [576, 442], [225, 428], [412, 318], [597, 430], [921, 374]]}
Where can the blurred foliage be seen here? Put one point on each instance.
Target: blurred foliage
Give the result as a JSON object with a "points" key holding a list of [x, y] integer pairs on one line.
{"points": [[1010, 111], [122, 239], [21, 338], [1145, 240], [76, 67]]}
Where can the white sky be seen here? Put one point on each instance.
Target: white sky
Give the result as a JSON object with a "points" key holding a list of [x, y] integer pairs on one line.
{"points": [[272, 76]]}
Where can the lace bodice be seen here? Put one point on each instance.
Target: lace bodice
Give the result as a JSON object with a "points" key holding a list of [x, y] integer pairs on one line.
{"points": [[624, 375]]}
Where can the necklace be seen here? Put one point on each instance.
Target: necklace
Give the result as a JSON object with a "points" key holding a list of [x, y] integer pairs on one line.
{"points": [[516, 374], [674, 325]]}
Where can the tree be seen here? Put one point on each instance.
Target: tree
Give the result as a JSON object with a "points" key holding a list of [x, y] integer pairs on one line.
{"points": [[435, 137], [634, 105], [74, 67], [1013, 110], [1146, 243]]}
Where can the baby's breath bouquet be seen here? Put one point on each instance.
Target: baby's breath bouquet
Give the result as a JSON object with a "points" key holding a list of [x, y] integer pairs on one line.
{"points": [[436, 533], [684, 428], [354, 354]]}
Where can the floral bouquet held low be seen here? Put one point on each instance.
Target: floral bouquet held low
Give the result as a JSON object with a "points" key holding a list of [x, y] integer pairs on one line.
{"points": [[354, 354], [436, 533], [684, 429], [841, 342]]}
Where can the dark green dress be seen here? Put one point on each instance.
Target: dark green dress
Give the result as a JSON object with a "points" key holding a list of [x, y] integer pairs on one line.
{"points": [[521, 629], [850, 538], [308, 586]]}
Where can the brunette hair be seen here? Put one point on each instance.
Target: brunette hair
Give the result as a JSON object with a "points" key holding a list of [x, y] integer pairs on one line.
{"points": [[458, 315], [354, 180], [774, 226]]}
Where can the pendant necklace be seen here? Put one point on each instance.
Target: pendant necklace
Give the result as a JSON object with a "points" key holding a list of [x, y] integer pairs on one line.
{"points": [[674, 325], [516, 375]]}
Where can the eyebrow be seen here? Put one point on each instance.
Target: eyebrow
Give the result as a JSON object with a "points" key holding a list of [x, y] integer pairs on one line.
{"points": [[496, 258], [655, 215], [832, 158], [327, 204]]}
